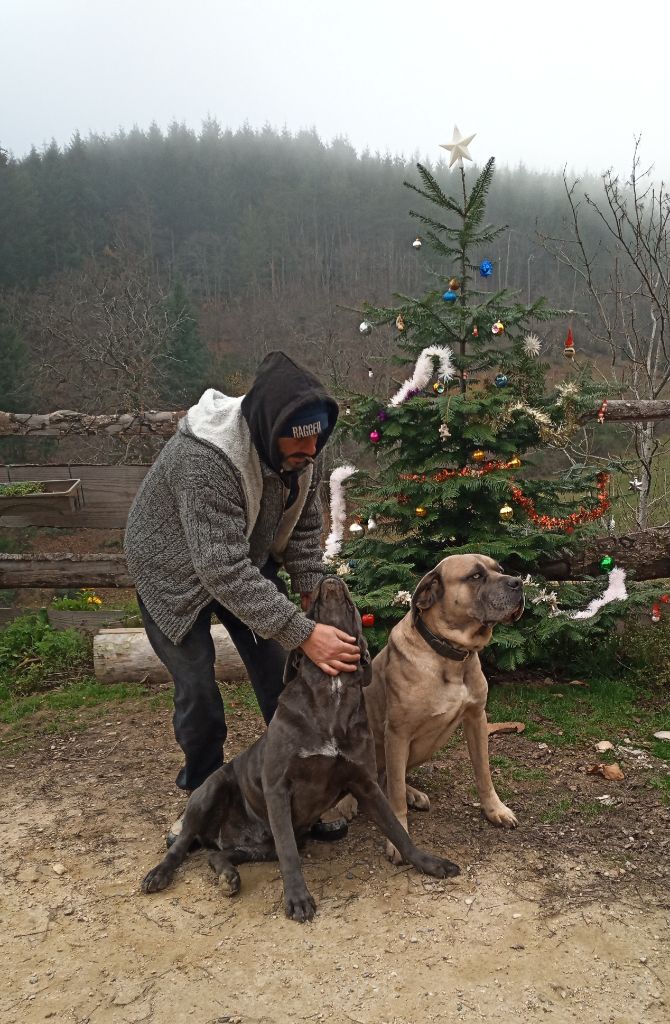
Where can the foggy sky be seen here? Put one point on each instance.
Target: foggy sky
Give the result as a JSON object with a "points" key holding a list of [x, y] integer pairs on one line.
{"points": [[541, 83]]}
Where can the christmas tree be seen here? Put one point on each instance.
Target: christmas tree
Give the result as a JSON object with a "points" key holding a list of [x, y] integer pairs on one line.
{"points": [[460, 458]]}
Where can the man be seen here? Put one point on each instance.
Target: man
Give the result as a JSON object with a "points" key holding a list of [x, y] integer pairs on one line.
{"points": [[231, 498]]}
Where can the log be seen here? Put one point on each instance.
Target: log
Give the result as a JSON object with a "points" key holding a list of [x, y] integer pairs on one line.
{"points": [[64, 422], [646, 554], [126, 656], [634, 412], [62, 570]]}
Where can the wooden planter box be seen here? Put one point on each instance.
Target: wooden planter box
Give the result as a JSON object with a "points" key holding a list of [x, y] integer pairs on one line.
{"points": [[61, 496], [85, 622]]}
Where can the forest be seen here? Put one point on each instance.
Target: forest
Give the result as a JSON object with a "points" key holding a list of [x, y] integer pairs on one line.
{"points": [[138, 268]]}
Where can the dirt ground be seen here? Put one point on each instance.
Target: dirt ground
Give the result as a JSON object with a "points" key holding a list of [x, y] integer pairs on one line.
{"points": [[565, 919]]}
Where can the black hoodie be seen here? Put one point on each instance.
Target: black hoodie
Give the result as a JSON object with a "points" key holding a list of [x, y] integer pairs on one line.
{"points": [[280, 389]]}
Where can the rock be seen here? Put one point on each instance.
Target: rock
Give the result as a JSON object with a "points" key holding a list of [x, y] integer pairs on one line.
{"points": [[58, 869], [603, 746], [664, 734]]}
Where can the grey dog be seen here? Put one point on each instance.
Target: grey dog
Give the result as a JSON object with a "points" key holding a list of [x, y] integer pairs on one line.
{"points": [[317, 747]]}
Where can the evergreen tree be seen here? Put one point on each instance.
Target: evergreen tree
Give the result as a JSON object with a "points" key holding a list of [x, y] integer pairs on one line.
{"points": [[186, 360], [14, 395], [465, 464]]}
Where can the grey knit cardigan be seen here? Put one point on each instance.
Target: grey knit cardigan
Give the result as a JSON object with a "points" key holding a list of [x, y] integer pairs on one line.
{"points": [[190, 537]]}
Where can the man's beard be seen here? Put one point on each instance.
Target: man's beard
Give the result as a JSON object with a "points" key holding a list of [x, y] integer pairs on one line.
{"points": [[297, 461]]}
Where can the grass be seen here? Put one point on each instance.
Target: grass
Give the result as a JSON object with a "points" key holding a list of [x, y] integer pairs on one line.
{"points": [[565, 716]]}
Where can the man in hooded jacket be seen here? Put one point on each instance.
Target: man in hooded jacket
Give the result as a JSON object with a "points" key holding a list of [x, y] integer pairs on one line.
{"points": [[231, 498]]}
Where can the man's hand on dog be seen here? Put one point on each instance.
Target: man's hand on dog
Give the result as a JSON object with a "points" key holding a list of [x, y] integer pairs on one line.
{"points": [[332, 650]]}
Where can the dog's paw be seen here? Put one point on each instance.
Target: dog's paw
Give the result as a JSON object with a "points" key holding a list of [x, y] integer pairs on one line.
{"points": [[300, 905], [158, 878], [229, 880], [393, 854], [438, 867], [416, 799], [347, 806], [499, 814]]}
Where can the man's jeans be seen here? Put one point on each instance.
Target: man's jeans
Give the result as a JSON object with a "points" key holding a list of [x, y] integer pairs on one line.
{"points": [[199, 720]]}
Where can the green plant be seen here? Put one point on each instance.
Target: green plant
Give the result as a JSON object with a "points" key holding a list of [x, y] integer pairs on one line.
{"points": [[34, 657], [19, 490], [84, 600]]}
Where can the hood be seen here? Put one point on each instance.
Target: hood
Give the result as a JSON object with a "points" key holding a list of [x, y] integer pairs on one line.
{"points": [[280, 389]]}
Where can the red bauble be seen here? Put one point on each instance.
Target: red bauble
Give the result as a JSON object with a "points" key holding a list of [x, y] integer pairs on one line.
{"points": [[368, 619]]}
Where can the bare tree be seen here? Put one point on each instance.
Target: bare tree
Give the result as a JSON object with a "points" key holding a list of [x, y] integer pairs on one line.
{"points": [[632, 299], [100, 335]]}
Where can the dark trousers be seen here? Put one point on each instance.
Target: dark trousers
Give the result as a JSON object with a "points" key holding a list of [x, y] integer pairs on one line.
{"points": [[199, 719]]}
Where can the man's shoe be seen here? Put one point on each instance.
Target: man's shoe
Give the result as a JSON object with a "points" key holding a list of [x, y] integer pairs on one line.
{"points": [[175, 832], [329, 831]]}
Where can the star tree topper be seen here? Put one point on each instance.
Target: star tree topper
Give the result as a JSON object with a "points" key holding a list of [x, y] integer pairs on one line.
{"points": [[458, 147]]}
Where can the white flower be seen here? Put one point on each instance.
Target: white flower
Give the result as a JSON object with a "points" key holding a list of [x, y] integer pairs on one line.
{"points": [[532, 345], [402, 597]]}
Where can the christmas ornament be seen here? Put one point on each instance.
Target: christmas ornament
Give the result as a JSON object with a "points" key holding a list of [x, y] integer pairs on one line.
{"points": [[372, 524], [402, 597], [382, 415], [602, 410], [370, 373], [616, 591], [403, 499], [485, 268], [400, 322], [449, 474], [439, 387], [450, 296], [455, 284], [665, 598], [655, 613], [416, 244], [375, 436], [352, 563], [368, 620], [635, 484], [532, 345], [501, 380], [423, 371], [347, 411], [365, 327], [478, 455], [569, 348], [498, 327], [421, 511], [566, 523], [606, 563], [458, 148], [444, 431], [338, 511], [356, 528], [343, 569], [506, 512], [475, 331], [611, 524]]}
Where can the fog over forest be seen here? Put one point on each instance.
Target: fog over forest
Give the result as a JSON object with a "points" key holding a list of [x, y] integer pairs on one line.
{"points": [[263, 239]]}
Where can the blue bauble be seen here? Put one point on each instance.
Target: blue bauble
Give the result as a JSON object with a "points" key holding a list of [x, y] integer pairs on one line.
{"points": [[352, 563], [450, 296], [501, 380], [486, 268]]}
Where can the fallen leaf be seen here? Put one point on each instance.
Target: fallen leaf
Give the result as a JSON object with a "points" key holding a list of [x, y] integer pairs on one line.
{"points": [[603, 746], [612, 772], [501, 727], [577, 682]]}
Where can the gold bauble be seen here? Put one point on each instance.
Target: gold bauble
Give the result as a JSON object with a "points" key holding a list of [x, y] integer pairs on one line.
{"points": [[454, 284], [506, 512], [439, 387], [514, 462], [421, 511], [478, 455], [400, 322]]}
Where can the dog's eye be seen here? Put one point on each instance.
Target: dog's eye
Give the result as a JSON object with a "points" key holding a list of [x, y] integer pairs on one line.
{"points": [[476, 576]]}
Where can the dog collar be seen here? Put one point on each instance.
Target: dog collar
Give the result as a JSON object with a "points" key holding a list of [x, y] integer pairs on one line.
{"points": [[440, 646]]}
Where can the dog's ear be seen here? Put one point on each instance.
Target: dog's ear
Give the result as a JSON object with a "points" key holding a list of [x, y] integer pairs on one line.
{"points": [[429, 590], [365, 664]]}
